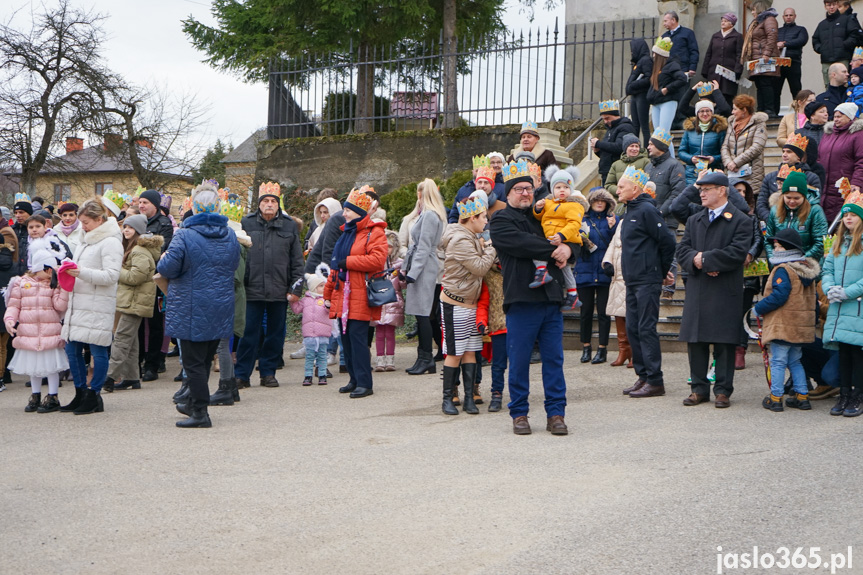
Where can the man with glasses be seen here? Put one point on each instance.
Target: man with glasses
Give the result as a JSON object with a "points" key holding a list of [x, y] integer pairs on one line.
{"points": [[712, 252], [532, 315]]}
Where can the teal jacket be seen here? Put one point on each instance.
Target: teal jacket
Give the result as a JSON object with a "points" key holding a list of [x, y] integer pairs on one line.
{"points": [[844, 320], [812, 231]]}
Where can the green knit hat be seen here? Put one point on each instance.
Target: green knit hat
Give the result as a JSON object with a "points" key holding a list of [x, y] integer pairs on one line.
{"points": [[795, 182]]}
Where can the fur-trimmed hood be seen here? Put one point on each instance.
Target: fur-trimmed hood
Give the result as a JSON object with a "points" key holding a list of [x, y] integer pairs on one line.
{"points": [[604, 195], [807, 269], [855, 126], [720, 124], [150, 241]]}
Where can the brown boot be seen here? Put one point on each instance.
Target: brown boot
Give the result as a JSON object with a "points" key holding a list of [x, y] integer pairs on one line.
{"points": [[624, 351], [740, 358]]}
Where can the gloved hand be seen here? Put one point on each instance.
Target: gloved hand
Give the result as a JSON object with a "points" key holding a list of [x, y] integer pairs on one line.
{"points": [[481, 328], [836, 294], [409, 279], [608, 269]]}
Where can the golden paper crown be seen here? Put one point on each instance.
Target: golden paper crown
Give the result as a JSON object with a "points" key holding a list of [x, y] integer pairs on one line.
{"points": [[853, 203], [22, 197], [481, 162], [486, 172], [705, 89], [858, 53], [360, 199], [785, 169], [844, 187], [223, 193], [798, 141], [530, 127], [471, 207], [519, 169], [607, 106], [662, 135], [187, 205], [139, 191], [534, 169], [269, 189]]}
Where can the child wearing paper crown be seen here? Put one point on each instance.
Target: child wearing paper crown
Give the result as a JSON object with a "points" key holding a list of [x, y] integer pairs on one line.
{"points": [[561, 216], [317, 327], [34, 307]]}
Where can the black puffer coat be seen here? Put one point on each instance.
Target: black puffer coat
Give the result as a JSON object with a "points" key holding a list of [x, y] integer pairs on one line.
{"points": [[610, 147], [671, 77], [647, 245], [275, 260], [836, 36]]}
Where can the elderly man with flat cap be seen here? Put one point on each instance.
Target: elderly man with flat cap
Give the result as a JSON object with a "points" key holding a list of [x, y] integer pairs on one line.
{"points": [[712, 252]]}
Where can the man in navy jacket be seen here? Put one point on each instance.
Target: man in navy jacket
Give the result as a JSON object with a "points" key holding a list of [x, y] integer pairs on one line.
{"points": [[685, 46]]}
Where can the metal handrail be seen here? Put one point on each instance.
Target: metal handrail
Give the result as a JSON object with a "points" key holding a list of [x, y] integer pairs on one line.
{"points": [[590, 128]]}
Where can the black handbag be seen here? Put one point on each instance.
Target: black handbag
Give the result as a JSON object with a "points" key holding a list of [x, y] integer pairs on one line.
{"points": [[380, 290]]}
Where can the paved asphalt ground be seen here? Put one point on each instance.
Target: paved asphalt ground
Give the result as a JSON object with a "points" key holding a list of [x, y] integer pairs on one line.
{"points": [[305, 480]]}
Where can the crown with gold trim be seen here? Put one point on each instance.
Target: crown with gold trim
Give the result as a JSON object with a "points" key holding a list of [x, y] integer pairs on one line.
{"points": [[187, 205], [858, 53], [232, 209], [661, 135], [609, 106], [798, 141], [705, 89], [663, 46], [486, 172], [481, 162], [636, 176], [267, 189], [853, 203], [223, 193], [114, 198], [22, 197], [139, 191], [360, 199], [534, 169], [471, 207], [530, 127], [844, 187], [785, 169], [519, 169]]}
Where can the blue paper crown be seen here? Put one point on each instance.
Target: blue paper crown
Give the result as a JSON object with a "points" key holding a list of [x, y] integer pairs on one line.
{"points": [[858, 52], [662, 135], [519, 169], [22, 197], [633, 174], [471, 207], [530, 127], [607, 106], [201, 208], [705, 89]]}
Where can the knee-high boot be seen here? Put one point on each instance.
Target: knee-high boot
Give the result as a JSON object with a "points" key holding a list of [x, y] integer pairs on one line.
{"points": [[624, 351], [449, 376], [468, 373]]}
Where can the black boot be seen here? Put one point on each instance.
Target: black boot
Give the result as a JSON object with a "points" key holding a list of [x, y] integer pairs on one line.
{"points": [[198, 416], [128, 384], [109, 385], [412, 334], [496, 401], [235, 391], [33, 404], [224, 396], [468, 372], [600, 356], [90, 403], [585, 354], [80, 392], [425, 364], [449, 375], [49, 404], [842, 402], [178, 377], [416, 363], [182, 394]]}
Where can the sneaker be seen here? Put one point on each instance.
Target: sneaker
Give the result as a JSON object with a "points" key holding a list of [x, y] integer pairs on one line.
{"points": [[306, 380], [667, 296], [854, 408], [540, 278], [2, 386], [799, 401], [331, 359], [571, 302], [772, 404], [299, 354], [322, 381], [711, 373], [840, 406]]}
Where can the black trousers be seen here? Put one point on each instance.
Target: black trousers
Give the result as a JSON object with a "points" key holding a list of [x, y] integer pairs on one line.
{"points": [[197, 357], [765, 92], [594, 297], [642, 314], [640, 111], [850, 369], [150, 346], [358, 358], [791, 74], [699, 363]]}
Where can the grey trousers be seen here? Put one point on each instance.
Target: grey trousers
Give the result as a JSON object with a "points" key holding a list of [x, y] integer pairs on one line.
{"points": [[226, 362], [124, 350]]}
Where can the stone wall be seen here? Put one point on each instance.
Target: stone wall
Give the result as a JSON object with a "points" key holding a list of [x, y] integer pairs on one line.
{"points": [[389, 160]]}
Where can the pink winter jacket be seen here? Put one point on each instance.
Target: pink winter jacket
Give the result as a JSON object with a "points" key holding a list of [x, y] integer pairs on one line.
{"points": [[394, 313], [38, 310], [316, 315]]}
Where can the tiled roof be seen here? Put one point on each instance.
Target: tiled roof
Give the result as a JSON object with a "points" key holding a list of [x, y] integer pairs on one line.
{"points": [[96, 160]]}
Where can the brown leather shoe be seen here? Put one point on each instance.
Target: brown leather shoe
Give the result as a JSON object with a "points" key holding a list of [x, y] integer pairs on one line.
{"points": [[520, 425], [722, 401], [269, 381], [648, 390], [695, 399], [638, 385], [556, 425]]}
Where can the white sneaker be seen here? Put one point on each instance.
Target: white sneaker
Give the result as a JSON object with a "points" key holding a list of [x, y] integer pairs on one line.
{"points": [[331, 359], [2, 386], [711, 373], [299, 354]]}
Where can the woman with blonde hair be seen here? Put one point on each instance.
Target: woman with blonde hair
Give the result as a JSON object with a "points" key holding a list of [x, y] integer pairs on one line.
{"points": [[421, 231]]}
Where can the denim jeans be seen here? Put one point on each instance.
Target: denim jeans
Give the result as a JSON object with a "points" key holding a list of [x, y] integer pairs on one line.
{"points": [[316, 352], [274, 338], [662, 115], [78, 368], [784, 356], [226, 361]]}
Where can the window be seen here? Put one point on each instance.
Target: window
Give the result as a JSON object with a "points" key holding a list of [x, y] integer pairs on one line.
{"points": [[103, 187], [62, 193]]}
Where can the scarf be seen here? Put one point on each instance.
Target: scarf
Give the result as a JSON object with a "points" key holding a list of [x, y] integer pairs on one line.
{"points": [[69, 229], [786, 256], [342, 249], [705, 125]]}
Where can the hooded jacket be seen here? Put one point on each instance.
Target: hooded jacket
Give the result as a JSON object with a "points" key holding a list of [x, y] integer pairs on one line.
{"points": [[38, 309], [8, 263], [698, 143], [647, 245], [747, 148], [790, 303], [588, 267], [618, 167], [841, 153], [465, 264], [761, 40], [333, 207], [667, 173], [200, 265], [315, 313], [642, 67], [562, 217], [136, 291], [610, 146], [836, 36], [844, 322]]}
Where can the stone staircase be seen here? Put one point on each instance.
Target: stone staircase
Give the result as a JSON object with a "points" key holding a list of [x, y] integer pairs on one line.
{"points": [[670, 312]]}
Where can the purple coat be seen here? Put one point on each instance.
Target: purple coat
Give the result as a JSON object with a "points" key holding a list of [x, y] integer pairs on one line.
{"points": [[316, 315], [841, 154]]}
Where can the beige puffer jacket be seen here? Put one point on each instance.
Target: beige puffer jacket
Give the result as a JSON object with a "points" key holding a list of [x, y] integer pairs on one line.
{"points": [[747, 148], [616, 305], [467, 261]]}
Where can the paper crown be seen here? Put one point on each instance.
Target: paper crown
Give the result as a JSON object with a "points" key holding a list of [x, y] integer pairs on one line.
{"points": [[481, 162], [471, 207], [844, 187], [798, 141], [166, 201], [663, 46], [705, 89], [268, 189], [530, 127], [206, 208], [853, 203], [700, 165], [114, 198], [858, 53], [360, 199], [139, 191], [519, 169], [22, 197], [607, 106], [223, 193], [534, 169], [784, 170], [187, 205], [661, 135], [486, 172], [636, 176], [232, 209]]}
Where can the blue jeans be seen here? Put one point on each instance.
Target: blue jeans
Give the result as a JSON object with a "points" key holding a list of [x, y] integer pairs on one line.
{"points": [[78, 368], [274, 338], [662, 115], [782, 356], [542, 323], [498, 361], [316, 352]]}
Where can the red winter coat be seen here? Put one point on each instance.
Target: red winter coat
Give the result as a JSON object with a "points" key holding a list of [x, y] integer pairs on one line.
{"points": [[368, 256], [38, 310], [841, 154]]}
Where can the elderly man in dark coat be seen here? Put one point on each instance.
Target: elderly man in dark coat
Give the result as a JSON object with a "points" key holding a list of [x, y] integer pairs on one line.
{"points": [[712, 252]]}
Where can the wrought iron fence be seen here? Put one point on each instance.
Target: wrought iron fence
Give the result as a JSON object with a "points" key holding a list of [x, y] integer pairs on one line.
{"points": [[535, 75]]}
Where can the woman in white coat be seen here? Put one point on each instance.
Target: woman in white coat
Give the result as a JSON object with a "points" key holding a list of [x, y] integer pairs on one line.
{"points": [[90, 316], [617, 297]]}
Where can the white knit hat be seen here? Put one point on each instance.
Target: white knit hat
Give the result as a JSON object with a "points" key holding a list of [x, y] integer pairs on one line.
{"points": [[847, 109]]}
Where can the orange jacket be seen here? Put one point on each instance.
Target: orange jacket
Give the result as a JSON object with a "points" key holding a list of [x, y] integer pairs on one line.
{"points": [[368, 256]]}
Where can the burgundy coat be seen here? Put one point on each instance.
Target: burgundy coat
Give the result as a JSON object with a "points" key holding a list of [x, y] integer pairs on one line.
{"points": [[725, 51], [841, 154]]}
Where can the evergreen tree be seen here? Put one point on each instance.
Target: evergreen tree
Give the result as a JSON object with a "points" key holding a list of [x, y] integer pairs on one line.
{"points": [[211, 166]]}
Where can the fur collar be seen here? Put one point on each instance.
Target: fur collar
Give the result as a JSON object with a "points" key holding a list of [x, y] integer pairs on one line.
{"points": [[151, 241], [807, 269], [604, 195], [720, 125], [107, 229], [856, 126]]}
